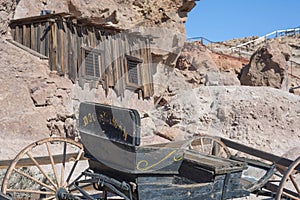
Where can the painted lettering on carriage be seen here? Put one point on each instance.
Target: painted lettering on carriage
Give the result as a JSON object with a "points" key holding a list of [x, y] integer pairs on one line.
{"points": [[105, 118], [89, 118]]}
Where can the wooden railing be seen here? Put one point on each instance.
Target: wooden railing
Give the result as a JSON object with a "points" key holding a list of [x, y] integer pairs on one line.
{"points": [[274, 34], [242, 48]]}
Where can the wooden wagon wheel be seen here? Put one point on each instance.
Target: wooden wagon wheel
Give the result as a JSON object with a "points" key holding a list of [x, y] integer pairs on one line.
{"points": [[44, 169], [293, 191], [209, 145]]}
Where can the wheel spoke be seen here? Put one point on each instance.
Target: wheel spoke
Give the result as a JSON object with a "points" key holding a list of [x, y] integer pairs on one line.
{"points": [[41, 170], [295, 184], [63, 167], [30, 191], [74, 165], [290, 195], [213, 150], [33, 179], [49, 198], [202, 144], [52, 164]]}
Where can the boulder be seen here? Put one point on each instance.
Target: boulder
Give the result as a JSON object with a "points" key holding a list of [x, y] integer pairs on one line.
{"points": [[267, 67]]}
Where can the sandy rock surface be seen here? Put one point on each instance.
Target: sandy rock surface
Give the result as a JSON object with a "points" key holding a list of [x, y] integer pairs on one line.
{"points": [[31, 99]]}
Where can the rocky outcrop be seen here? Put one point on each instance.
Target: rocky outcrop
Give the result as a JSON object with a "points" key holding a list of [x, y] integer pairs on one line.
{"points": [[201, 66], [125, 14], [267, 67], [7, 9]]}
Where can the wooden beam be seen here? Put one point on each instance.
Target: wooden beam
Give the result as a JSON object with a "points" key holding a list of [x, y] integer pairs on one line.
{"points": [[35, 53], [45, 160], [258, 153]]}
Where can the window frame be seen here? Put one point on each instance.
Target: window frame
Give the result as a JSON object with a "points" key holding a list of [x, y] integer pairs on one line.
{"points": [[94, 52], [138, 62]]}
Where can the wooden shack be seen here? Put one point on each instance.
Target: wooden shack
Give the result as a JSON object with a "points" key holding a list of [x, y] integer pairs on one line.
{"points": [[89, 52]]}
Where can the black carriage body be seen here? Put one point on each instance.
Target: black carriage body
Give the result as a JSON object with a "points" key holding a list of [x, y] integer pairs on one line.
{"points": [[111, 138]]}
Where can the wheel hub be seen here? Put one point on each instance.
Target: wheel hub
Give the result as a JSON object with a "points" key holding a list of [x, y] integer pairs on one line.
{"points": [[62, 194]]}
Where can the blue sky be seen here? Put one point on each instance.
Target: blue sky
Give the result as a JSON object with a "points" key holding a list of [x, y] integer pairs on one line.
{"points": [[220, 20]]}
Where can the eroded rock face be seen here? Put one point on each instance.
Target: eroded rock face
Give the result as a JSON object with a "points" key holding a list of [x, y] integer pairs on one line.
{"points": [[267, 67], [34, 102], [125, 14], [6, 13], [201, 66]]}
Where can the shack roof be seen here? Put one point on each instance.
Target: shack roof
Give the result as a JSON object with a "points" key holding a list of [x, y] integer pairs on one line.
{"points": [[65, 17]]}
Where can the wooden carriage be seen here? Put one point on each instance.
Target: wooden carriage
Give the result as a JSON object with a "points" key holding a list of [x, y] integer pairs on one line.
{"points": [[117, 165]]}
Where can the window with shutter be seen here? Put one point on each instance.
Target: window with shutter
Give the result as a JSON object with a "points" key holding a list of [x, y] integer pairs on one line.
{"points": [[133, 72], [92, 64]]}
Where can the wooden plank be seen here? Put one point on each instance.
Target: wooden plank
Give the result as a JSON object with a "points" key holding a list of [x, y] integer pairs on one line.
{"points": [[69, 44], [90, 35], [115, 65], [144, 71], [45, 160], [72, 52], [53, 47], [121, 64], [32, 37], [43, 39], [60, 47], [65, 53], [17, 34], [98, 36], [100, 46], [94, 37], [47, 39], [75, 54], [150, 67], [24, 35], [110, 62], [82, 69], [84, 35], [21, 34], [38, 37], [258, 153], [41, 56], [13, 32], [79, 50], [28, 36]]}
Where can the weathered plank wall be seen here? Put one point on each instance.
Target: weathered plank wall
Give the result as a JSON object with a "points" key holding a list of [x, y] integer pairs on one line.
{"points": [[64, 43]]}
